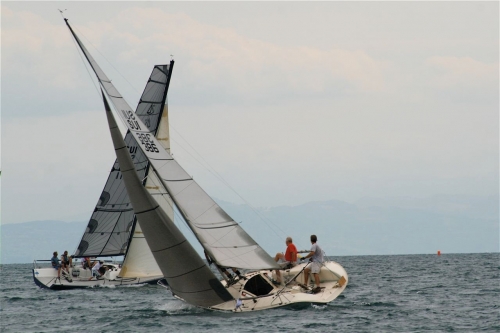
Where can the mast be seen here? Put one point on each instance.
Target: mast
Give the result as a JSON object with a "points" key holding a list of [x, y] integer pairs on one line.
{"points": [[163, 108]]}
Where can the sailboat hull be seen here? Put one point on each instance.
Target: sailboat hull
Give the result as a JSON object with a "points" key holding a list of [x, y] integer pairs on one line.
{"points": [[258, 292], [82, 278]]}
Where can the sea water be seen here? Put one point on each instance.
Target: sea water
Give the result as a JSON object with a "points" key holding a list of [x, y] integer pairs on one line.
{"points": [[399, 293]]}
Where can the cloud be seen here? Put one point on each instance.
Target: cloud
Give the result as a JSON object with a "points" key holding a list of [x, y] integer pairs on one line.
{"points": [[36, 51], [462, 72], [243, 63], [213, 59]]}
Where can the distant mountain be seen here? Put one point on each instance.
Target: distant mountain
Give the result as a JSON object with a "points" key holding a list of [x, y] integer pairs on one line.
{"points": [[452, 224], [25, 242]]}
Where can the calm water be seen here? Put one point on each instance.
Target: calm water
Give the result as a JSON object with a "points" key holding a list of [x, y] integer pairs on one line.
{"points": [[407, 293]]}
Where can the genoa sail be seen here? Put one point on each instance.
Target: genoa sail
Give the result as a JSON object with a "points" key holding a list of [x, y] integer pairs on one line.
{"points": [[222, 238], [187, 274]]}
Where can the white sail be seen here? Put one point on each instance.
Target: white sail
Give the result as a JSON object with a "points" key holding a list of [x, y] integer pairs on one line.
{"points": [[139, 261], [187, 275], [223, 238]]}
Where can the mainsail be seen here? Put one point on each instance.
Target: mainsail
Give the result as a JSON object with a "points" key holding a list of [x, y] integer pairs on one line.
{"points": [[221, 237], [112, 223], [139, 261]]}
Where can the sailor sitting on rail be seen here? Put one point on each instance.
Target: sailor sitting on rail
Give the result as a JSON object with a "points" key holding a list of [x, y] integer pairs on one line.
{"points": [[287, 260]]}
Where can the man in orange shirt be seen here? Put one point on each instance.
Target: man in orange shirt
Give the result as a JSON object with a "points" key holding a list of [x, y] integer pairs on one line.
{"points": [[289, 259]]}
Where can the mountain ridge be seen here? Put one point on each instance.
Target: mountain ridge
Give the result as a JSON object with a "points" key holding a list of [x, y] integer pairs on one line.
{"points": [[368, 227]]}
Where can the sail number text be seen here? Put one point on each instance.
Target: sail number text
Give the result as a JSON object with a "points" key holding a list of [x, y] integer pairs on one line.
{"points": [[149, 145], [145, 139], [130, 117]]}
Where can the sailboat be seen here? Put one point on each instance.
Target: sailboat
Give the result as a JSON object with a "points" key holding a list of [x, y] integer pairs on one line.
{"points": [[224, 241], [112, 229]]}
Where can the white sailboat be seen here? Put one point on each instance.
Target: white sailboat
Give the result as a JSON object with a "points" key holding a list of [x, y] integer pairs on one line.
{"points": [[113, 229], [223, 240]]}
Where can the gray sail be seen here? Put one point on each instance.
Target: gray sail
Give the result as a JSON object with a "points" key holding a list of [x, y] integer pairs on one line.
{"points": [[222, 238], [187, 274], [112, 221]]}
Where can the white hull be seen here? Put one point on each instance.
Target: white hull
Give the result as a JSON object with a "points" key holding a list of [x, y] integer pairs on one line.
{"points": [[82, 278], [257, 292]]}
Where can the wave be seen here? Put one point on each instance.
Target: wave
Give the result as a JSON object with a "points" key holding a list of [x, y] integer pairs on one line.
{"points": [[176, 307]]}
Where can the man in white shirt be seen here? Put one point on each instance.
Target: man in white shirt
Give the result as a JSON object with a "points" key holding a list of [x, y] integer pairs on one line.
{"points": [[316, 256], [95, 269]]}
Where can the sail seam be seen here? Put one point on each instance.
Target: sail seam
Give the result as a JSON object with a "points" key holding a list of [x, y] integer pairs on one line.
{"points": [[169, 247], [161, 70], [123, 171], [150, 102], [159, 82], [234, 247], [208, 228], [191, 271], [145, 211], [114, 210], [162, 159]]}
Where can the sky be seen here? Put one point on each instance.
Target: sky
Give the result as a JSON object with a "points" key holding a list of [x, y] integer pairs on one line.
{"points": [[289, 102]]}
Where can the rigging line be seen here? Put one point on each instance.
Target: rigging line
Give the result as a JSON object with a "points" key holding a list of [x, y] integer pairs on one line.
{"points": [[179, 216], [81, 34], [78, 50], [269, 223], [168, 200], [171, 204]]}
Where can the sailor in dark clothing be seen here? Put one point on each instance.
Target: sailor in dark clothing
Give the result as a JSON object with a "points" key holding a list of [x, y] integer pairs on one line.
{"points": [[56, 265], [66, 260]]}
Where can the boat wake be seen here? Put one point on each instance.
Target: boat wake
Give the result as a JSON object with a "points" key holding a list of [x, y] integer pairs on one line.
{"points": [[110, 286], [319, 307], [135, 285], [176, 308]]}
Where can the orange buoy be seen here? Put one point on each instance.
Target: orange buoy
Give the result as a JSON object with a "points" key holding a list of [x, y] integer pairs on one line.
{"points": [[439, 253]]}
